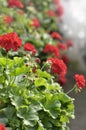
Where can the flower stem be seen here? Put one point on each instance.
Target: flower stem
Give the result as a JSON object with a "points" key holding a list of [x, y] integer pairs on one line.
{"points": [[44, 65], [71, 89]]}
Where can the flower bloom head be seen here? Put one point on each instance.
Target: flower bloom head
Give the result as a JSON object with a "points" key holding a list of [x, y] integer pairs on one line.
{"points": [[65, 59], [58, 66], [50, 13], [59, 10], [8, 19], [35, 23], [80, 81], [69, 43], [56, 35], [15, 3], [62, 79], [30, 47], [2, 127], [56, 2], [10, 41], [52, 49], [62, 46]]}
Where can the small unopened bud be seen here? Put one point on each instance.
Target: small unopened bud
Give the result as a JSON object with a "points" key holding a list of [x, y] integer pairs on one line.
{"points": [[27, 65], [34, 69], [24, 76], [38, 60]]}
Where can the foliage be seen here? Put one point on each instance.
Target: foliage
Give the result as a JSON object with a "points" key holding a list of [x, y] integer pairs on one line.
{"points": [[31, 100], [30, 96]]}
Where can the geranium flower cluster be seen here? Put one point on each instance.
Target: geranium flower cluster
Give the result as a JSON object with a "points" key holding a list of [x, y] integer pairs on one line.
{"points": [[35, 23], [58, 66], [59, 8], [56, 35], [15, 3], [50, 13], [8, 19], [80, 81], [2, 127], [51, 49], [10, 41], [57, 57], [29, 47]]}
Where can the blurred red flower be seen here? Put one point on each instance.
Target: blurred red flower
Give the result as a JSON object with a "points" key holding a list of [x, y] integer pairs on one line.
{"points": [[8, 19], [59, 10], [62, 79], [35, 23], [50, 13], [58, 66], [30, 47], [10, 41], [69, 43], [80, 81], [62, 46], [15, 3], [2, 127], [56, 2], [56, 35], [65, 59], [52, 49]]}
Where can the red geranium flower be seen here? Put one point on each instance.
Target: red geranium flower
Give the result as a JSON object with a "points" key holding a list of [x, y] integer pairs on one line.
{"points": [[2, 127], [30, 47], [59, 10], [35, 22], [8, 19], [52, 49], [50, 13], [80, 81], [10, 41], [56, 35], [62, 46], [65, 59], [15, 3], [56, 2], [69, 43], [58, 66], [62, 79]]}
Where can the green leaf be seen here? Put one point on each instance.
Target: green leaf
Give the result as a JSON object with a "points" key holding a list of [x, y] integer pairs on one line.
{"points": [[64, 98], [3, 120], [40, 127], [43, 74], [53, 105], [19, 70], [64, 118], [9, 111], [5, 61], [18, 60], [29, 116], [40, 82]]}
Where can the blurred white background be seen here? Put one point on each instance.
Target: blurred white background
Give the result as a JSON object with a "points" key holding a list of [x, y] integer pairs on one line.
{"points": [[73, 26]]}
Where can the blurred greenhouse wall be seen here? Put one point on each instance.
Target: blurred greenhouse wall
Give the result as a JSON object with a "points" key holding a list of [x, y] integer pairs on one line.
{"points": [[73, 26]]}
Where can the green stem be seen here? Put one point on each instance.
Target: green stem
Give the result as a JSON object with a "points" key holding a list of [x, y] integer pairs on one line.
{"points": [[44, 66], [71, 90]]}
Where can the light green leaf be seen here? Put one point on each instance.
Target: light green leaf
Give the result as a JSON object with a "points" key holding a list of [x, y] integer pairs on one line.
{"points": [[40, 82]]}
